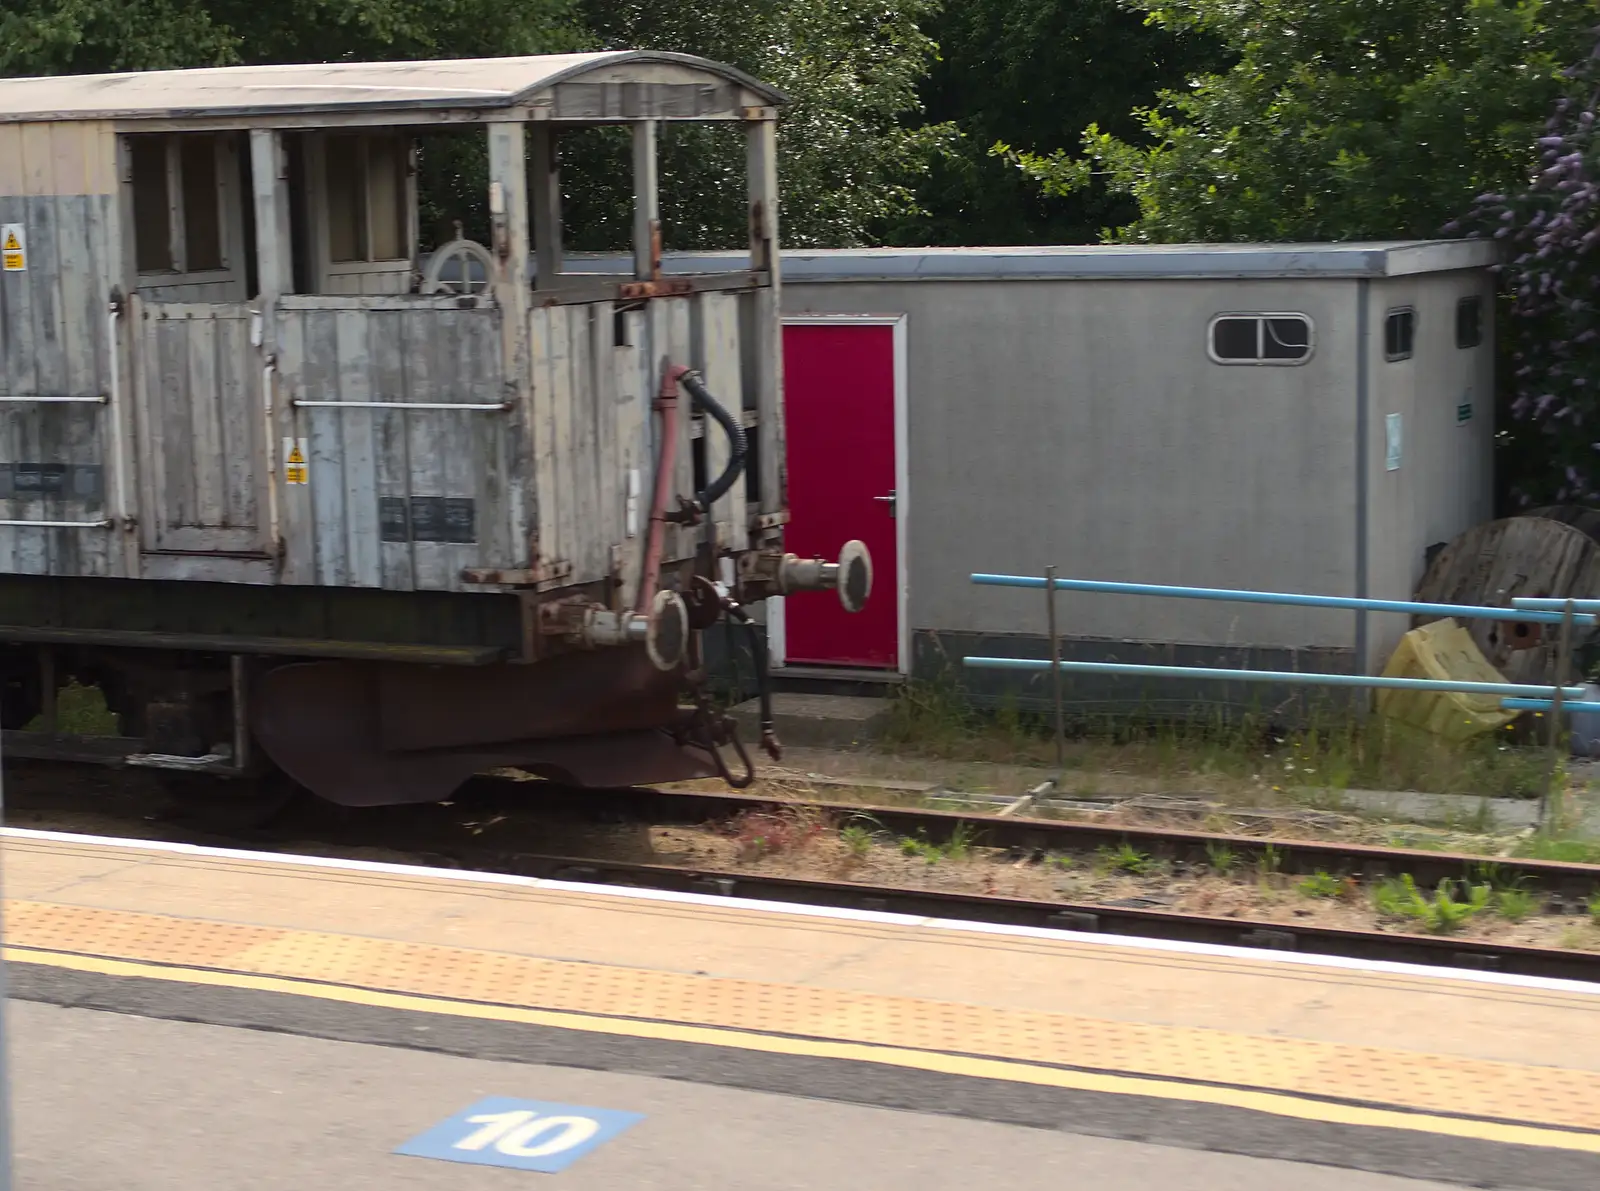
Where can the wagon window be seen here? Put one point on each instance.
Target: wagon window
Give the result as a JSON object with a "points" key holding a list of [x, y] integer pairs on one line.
{"points": [[1399, 334], [152, 204], [367, 182], [202, 208], [178, 195], [1261, 338], [1469, 322]]}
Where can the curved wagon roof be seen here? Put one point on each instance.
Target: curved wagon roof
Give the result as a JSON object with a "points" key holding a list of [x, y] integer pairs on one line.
{"points": [[610, 85]]}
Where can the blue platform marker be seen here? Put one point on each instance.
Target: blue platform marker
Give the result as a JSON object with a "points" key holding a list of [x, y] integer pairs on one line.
{"points": [[520, 1134]]}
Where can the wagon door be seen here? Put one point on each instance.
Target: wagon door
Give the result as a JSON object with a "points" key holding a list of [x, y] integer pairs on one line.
{"points": [[198, 382]]}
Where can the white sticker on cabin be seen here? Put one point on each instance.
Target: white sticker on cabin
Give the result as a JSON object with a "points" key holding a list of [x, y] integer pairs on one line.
{"points": [[1392, 433], [296, 465], [14, 247]]}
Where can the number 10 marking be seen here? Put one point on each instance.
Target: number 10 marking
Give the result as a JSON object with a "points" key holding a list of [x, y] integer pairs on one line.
{"points": [[521, 1134], [511, 1133]]}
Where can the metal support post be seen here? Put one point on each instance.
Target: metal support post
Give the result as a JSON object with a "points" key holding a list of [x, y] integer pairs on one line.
{"points": [[1055, 670], [1551, 806]]}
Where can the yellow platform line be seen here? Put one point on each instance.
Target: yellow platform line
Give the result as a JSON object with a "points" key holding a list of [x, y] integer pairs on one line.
{"points": [[1274, 1103]]}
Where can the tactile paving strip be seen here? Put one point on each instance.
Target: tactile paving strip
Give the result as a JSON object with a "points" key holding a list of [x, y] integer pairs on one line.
{"points": [[1502, 1091]]}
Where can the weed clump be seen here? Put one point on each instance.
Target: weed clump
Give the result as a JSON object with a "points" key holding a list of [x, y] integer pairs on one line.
{"points": [[1440, 914]]}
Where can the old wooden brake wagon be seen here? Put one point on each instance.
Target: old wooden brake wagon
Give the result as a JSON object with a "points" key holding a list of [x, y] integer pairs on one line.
{"points": [[297, 499]]}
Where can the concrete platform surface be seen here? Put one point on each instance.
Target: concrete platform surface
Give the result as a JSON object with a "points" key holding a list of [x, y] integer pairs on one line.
{"points": [[1458, 1077], [109, 1100]]}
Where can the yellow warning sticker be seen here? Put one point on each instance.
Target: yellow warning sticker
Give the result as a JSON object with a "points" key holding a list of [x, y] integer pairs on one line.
{"points": [[295, 468], [14, 247]]}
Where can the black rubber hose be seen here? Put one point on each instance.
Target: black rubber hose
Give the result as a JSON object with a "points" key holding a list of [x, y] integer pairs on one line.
{"points": [[758, 655], [737, 446]]}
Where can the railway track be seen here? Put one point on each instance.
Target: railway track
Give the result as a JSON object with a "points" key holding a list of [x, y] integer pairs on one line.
{"points": [[1563, 884], [526, 818]]}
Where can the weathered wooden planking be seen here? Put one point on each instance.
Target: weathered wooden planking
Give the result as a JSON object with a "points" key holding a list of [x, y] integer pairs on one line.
{"points": [[717, 358], [198, 395], [427, 437], [323, 431], [1519, 556], [386, 339], [357, 466], [631, 401], [601, 410]]}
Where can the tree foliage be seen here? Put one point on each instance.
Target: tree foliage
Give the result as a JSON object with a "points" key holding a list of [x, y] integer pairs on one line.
{"points": [[1550, 228], [86, 36], [851, 147], [1033, 74], [1339, 119]]}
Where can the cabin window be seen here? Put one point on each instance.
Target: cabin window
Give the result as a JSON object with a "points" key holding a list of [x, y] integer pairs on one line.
{"points": [[1469, 322], [1399, 334], [179, 190], [1261, 338], [367, 183]]}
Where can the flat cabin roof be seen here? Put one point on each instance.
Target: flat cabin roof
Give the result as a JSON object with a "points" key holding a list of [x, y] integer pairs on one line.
{"points": [[1397, 258], [335, 87]]}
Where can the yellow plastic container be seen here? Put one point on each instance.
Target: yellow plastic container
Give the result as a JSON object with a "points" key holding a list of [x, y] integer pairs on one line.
{"points": [[1443, 650]]}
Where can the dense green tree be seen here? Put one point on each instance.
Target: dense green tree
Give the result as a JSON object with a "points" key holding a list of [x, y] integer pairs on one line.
{"points": [[852, 146], [1034, 74], [1550, 228], [79, 36], [1339, 119]]}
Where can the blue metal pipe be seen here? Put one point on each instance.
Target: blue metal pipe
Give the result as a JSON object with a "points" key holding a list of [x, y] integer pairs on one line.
{"points": [[1288, 677], [1462, 611], [1541, 602], [1580, 706]]}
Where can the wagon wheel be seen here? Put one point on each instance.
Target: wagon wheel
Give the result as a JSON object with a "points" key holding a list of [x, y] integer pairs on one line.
{"points": [[451, 271]]}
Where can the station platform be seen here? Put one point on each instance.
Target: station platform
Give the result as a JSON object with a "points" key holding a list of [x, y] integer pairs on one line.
{"points": [[184, 1017]]}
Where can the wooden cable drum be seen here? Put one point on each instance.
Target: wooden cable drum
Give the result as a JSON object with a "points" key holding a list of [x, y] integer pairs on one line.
{"points": [[1549, 552]]}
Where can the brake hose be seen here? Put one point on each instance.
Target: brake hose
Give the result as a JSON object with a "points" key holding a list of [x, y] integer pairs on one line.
{"points": [[737, 446], [758, 654]]}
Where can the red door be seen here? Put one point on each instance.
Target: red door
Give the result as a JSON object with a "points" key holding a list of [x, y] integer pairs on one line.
{"points": [[839, 391]]}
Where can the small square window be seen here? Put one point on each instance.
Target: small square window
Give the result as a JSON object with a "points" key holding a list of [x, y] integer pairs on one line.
{"points": [[1469, 322], [1261, 339], [1399, 334]]}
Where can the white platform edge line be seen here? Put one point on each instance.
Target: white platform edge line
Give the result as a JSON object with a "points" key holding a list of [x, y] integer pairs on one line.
{"points": [[755, 905]]}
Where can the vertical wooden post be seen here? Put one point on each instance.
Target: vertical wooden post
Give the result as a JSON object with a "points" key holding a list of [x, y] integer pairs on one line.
{"points": [[274, 252], [508, 212], [269, 180], [761, 166], [545, 179], [646, 203]]}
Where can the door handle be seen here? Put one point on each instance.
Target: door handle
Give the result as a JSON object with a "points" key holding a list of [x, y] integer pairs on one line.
{"points": [[890, 500]]}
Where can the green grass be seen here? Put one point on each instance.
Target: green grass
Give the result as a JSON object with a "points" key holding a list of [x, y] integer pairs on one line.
{"points": [[1567, 850], [80, 711], [857, 839], [1516, 904], [1221, 859], [1125, 858], [1440, 914], [1321, 884], [1331, 752], [958, 847], [1594, 909]]}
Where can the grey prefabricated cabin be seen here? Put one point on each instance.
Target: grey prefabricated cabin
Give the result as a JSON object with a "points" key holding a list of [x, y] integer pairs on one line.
{"points": [[1302, 418], [242, 415]]}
